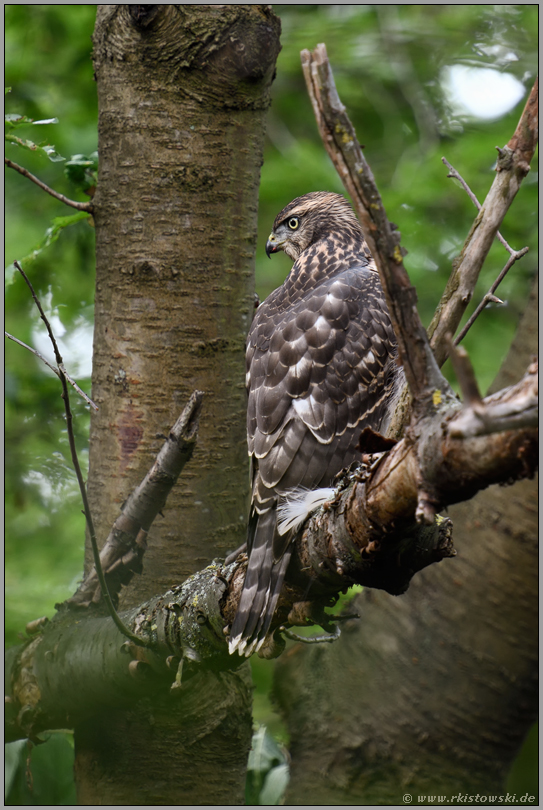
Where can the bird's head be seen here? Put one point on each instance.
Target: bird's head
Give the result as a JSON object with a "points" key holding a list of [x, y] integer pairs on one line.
{"points": [[310, 218]]}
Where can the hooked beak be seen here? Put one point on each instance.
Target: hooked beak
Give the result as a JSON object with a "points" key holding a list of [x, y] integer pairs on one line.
{"points": [[272, 245]]}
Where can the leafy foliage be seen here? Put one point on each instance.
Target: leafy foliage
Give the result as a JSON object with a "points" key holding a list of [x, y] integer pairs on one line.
{"points": [[51, 235], [40, 774], [13, 121], [82, 171]]}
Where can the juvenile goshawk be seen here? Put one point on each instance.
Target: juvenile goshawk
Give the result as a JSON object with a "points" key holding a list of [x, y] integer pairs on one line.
{"points": [[321, 366]]}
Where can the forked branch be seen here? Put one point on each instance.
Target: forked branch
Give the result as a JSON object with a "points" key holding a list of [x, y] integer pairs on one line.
{"points": [[53, 368], [490, 296], [512, 167]]}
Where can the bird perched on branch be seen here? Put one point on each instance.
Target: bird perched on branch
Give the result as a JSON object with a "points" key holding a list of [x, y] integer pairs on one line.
{"points": [[321, 366]]}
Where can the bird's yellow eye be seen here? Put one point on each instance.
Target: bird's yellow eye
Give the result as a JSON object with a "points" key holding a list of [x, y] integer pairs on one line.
{"points": [[293, 223]]}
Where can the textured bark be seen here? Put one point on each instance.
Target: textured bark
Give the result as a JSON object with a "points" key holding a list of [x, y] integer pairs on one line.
{"points": [[431, 692], [180, 141], [182, 750], [182, 94]]}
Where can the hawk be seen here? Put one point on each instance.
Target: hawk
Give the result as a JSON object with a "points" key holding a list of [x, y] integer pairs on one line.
{"points": [[321, 366]]}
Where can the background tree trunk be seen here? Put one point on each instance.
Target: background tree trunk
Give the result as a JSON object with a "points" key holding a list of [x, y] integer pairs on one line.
{"points": [[182, 94], [431, 692]]}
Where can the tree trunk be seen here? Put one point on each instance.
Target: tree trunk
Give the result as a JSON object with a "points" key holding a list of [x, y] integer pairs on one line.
{"points": [[434, 691], [182, 94]]}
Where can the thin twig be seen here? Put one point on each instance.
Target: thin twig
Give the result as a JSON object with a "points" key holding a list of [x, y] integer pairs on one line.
{"points": [[53, 368], [80, 206], [512, 166], [457, 176], [30, 349], [490, 297], [75, 461]]}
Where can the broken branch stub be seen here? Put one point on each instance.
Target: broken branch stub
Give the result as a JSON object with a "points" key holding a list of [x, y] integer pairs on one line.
{"points": [[125, 546]]}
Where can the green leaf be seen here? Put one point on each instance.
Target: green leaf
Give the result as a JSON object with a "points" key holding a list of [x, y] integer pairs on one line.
{"points": [[51, 153], [52, 772], [47, 150], [15, 120], [51, 235], [82, 170], [13, 753], [7, 90], [265, 757]]}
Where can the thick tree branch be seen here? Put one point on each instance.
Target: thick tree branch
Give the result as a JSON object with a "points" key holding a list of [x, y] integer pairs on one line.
{"points": [[79, 206], [72, 670], [512, 167]]}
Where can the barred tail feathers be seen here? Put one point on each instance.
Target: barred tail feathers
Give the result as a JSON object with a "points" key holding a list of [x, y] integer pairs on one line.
{"points": [[263, 583]]}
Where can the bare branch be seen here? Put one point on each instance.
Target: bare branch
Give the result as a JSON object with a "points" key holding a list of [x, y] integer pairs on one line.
{"points": [[339, 137], [457, 176], [34, 351], [515, 256], [453, 469], [512, 167], [75, 461], [53, 368], [79, 206], [515, 409], [490, 297], [125, 545], [58, 356], [465, 375]]}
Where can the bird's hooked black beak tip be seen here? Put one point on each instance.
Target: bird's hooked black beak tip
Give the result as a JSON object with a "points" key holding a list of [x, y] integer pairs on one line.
{"points": [[270, 248]]}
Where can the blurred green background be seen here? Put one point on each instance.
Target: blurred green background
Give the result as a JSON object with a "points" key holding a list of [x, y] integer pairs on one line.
{"points": [[414, 82]]}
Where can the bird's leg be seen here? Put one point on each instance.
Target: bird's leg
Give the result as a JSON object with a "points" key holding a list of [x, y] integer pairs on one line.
{"points": [[326, 638]]}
